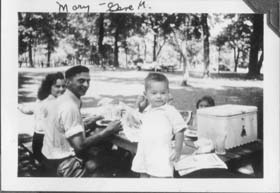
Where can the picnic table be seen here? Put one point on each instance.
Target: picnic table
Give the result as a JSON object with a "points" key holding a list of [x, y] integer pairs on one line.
{"points": [[168, 68], [250, 153]]}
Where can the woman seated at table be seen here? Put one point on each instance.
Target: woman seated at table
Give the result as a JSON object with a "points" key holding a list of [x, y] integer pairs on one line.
{"points": [[52, 86], [205, 101]]}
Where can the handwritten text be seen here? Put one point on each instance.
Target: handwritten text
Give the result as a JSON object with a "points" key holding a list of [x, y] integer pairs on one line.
{"points": [[78, 7], [110, 6], [113, 7]]}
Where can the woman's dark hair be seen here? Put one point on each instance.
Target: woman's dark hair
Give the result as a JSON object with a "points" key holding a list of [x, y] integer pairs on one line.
{"points": [[209, 100], [46, 85]]}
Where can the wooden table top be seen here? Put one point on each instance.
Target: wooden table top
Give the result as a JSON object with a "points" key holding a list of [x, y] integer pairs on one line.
{"points": [[233, 153]]}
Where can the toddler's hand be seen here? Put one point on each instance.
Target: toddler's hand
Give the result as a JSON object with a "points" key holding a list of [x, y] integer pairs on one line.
{"points": [[141, 103], [175, 156]]}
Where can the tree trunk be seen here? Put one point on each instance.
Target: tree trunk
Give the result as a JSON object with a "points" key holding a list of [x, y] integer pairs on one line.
{"points": [[181, 61], [185, 71], [219, 55], [206, 50], [155, 49], [145, 51], [34, 55], [259, 65], [236, 58], [30, 53], [160, 48], [116, 48], [101, 36], [138, 51], [256, 44], [49, 58], [126, 53], [126, 58]]}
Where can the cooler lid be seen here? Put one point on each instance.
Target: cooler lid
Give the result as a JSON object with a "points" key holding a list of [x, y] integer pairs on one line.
{"points": [[226, 110]]}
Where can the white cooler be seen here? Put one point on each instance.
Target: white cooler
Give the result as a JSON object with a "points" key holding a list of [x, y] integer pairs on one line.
{"points": [[238, 121]]}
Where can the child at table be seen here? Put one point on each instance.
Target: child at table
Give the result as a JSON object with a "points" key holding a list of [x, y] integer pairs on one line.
{"points": [[160, 122], [205, 101]]}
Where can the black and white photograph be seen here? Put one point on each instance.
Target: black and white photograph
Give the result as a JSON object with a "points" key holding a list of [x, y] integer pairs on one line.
{"points": [[140, 96]]}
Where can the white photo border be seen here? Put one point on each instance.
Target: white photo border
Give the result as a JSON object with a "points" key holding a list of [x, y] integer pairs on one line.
{"points": [[9, 125]]}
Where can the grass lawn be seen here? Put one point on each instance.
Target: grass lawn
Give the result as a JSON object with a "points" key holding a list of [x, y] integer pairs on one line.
{"points": [[225, 88]]}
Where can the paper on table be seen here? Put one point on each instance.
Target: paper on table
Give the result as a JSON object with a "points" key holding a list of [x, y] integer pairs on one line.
{"points": [[117, 110], [131, 122], [190, 163], [131, 135], [91, 111]]}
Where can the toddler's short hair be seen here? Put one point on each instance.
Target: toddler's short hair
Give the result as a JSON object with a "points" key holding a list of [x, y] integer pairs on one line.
{"points": [[158, 77], [71, 72]]}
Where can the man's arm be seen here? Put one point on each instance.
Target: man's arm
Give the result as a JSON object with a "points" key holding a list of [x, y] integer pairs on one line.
{"points": [[79, 142], [26, 110], [90, 122]]}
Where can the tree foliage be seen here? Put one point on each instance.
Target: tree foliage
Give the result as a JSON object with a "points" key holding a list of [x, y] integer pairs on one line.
{"points": [[236, 36], [119, 38]]}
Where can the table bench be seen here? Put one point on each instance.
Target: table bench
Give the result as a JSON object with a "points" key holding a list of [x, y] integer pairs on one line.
{"points": [[170, 68], [28, 165], [25, 141]]}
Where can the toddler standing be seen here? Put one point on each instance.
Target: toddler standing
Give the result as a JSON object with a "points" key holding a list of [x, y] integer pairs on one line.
{"points": [[160, 123]]}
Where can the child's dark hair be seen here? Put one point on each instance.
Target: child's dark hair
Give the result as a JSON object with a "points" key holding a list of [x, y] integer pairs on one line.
{"points": [[46, 85], [209, 100], [71, 72], [154, 76]]}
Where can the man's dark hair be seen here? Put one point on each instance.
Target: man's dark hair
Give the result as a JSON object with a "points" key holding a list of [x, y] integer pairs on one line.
{"points": [[71, 72], [154, 76]]}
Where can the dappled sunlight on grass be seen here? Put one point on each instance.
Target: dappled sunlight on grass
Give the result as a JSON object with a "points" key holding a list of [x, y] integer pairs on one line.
{"points": [[126, 85], [110, 88], [220, 83], [43, 70], [202, 84]]}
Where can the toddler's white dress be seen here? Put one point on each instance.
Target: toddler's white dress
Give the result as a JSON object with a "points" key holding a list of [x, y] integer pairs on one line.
{"points": [[154, 147]]}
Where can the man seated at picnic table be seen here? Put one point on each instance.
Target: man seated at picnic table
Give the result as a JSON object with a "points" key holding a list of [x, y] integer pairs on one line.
{"points": [[65, 142]]}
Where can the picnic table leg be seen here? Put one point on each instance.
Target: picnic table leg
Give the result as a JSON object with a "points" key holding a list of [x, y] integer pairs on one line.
{"points": [[257, 164]]}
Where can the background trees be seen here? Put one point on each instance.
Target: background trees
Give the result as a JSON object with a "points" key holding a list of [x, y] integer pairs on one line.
{"points": [[236, 36], [191, 42], [29, 26], [256, 45]]}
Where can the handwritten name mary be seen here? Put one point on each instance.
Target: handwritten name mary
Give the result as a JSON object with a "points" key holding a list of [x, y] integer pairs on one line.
{"points": [[77, 7]]}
